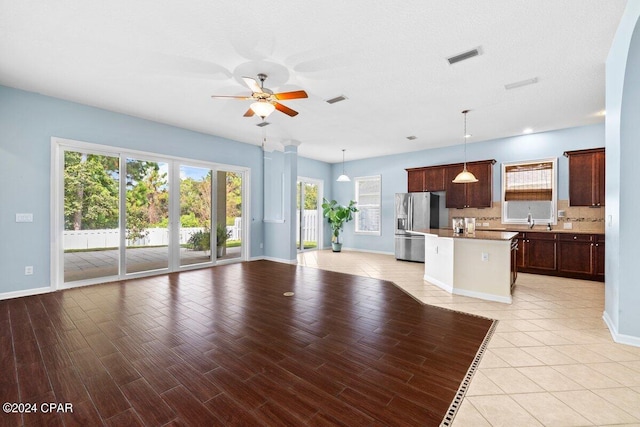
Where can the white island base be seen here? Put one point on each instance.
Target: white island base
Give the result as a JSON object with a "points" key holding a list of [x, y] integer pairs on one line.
{"points": [[477, 265]]}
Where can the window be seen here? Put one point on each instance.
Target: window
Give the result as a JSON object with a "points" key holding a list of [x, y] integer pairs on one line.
{"points": [[529, 192], [368, 202]]}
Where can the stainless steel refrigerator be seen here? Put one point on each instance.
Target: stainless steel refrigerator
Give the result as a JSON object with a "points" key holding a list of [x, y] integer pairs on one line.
{"points": [[414, 211]]}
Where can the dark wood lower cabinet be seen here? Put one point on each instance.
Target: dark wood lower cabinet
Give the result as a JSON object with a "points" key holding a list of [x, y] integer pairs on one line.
{"points": [[599, 257], [574, 255]]}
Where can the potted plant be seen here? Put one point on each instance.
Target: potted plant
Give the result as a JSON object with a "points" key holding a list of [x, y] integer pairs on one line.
{"points": [[200, 241], [222, 235], [337, 215]]}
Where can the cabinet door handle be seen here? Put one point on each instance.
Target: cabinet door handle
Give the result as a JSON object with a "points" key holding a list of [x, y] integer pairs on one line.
{"points": [[575, 237]]}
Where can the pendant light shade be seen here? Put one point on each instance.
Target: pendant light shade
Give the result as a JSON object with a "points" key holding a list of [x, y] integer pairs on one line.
{"points": [[263, 108], [465, 176], [343, 177]]}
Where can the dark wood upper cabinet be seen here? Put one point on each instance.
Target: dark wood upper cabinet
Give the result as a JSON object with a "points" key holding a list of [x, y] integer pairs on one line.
{"points": [[438, 178], [425, 179], [473, 195], [415, 180], [586, 177]]}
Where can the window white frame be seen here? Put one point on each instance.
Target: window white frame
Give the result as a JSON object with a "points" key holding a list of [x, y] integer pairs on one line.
{"points": [[60, 145], [542, 212], [368, 206]]}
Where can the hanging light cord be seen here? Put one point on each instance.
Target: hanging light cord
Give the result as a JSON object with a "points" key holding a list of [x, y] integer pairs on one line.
{"points": [[343, 161], [465, 138]]}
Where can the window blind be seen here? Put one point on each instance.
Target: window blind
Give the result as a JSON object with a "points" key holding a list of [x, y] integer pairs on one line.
{"points": [[532, 181]]}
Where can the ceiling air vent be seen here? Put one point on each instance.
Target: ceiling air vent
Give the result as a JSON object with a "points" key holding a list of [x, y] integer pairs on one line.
{"points": [[464, 55], [336, 99], [521, 83], [263, 124], [412, 137]]}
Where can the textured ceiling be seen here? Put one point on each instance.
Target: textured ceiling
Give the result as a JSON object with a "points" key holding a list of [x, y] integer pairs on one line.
{"points": [[161, 60]]}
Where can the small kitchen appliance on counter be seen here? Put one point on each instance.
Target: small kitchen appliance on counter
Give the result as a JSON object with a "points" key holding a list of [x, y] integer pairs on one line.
{"points": [[457, 222], [470, 225]]}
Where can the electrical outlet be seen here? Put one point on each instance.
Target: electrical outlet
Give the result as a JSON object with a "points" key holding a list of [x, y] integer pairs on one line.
{"points": [[28, 270], [485, 224], [568, 226], [24, 217], [484, 256]]}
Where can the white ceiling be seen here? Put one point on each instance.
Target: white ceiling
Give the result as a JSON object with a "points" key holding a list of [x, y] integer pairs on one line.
{"points": [[162, 59]]}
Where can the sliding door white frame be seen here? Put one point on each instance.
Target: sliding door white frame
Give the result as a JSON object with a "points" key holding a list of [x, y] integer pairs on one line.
{"points": [[58, 148]]}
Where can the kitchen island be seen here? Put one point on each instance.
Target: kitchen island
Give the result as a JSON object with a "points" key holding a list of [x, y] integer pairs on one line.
{"points": [[479, 265]]}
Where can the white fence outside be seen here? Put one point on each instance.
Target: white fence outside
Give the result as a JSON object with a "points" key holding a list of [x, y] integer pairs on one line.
{"points": [[109, 238], [309, 225]]}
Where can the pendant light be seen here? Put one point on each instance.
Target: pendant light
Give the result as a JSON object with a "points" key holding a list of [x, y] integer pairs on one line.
{"points": [[343, 177], [465, 176]]}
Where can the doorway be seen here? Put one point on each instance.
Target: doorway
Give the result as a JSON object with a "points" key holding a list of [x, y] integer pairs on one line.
{"points": [[308, 214]]}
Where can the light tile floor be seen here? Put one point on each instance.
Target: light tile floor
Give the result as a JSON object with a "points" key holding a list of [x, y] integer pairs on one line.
{"points": [[551, 361]]}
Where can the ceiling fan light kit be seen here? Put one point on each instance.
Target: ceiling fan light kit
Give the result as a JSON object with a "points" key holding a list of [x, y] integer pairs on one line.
{"points": [[262, 108], [265, 101], [465, 176]]}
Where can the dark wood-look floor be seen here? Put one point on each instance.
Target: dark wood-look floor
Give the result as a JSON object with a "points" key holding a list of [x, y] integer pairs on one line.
{"points": [[223, 346]]}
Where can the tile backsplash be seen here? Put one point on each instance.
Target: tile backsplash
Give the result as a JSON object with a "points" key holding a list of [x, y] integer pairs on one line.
{"points": [[582, 219]]}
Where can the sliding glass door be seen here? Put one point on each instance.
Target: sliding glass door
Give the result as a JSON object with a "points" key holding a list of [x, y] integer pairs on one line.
{"points": [[195, 215], [146, 216], [91, 236], [123, 215]]}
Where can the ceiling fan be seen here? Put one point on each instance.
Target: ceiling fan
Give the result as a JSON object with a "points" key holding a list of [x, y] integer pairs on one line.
{"points": [[265, 100]]}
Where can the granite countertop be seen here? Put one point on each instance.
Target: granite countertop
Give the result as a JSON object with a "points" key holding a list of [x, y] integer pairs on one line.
{"points": [[478, 235], [540, 230]]}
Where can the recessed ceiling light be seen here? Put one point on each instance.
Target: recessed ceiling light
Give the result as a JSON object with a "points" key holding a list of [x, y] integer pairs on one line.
{"points": [[527, 130], [412, 137], [521, 83]]}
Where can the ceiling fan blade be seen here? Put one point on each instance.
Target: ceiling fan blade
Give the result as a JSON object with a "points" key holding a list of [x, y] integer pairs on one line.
{"points": [[249, 113], [296, 94], [253, 85], [288, 111], [231, 96]]}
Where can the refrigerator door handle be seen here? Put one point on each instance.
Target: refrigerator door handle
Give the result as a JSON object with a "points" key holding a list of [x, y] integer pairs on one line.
{"points": [[410, 213]]}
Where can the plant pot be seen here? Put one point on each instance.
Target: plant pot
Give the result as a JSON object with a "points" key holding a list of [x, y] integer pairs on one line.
{"points": [[220, 251], [336, 247]]}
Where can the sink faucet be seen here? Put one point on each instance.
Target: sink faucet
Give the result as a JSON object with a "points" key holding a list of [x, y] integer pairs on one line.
{"points": [[530, 220]]}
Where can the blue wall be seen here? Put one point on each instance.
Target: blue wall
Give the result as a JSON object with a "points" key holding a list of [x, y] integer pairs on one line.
{"points": [[622, 293], [27, 123]]}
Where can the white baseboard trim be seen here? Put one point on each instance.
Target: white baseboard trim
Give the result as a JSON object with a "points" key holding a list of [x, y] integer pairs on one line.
{"points": [[467, 293], [438, 283], [268, 258], [366, 250], [618, 337], [25, 293], [482, 295]]}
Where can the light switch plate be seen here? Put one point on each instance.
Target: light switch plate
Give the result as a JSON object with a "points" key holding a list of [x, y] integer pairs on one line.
{"points": [[568, 226], [24, 217]]}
